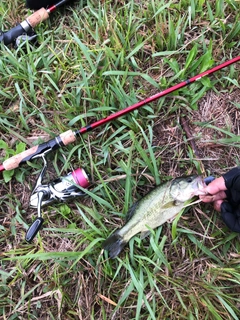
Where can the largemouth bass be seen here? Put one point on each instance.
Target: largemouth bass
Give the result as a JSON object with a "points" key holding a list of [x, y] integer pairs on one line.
{"points": [[160, 205]]}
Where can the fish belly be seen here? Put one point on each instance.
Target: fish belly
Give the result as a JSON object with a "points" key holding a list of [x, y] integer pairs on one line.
{"points": [[149, 215]]}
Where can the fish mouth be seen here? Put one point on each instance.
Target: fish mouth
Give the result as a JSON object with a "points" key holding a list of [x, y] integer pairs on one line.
{"points": [[200, 184]]}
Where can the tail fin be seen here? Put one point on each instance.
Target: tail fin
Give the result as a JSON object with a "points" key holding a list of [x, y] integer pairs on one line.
{"points": [[114, 244]]}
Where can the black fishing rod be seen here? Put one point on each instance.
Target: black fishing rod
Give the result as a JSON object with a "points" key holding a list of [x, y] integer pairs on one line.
{"points": [[25, 29]]}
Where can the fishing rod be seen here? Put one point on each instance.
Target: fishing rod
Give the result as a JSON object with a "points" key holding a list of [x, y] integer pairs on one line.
{"points": [[64, 188], [70, 136], [25, 30]]}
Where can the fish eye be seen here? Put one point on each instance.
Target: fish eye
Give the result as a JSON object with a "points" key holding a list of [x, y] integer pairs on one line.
{"points": [[189, 179]]}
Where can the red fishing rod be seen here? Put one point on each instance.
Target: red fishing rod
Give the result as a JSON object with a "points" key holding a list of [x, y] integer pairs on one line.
{"points": [[26, 28], [70, 136], [64, 188]]}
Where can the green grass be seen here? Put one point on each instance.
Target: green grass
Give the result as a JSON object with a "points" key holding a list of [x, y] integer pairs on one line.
{"points": [[93, 60]]}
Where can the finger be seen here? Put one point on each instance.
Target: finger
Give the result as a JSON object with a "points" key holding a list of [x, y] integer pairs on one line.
{"points": [[206, 198], [213, 197], [217, 205], [215, 186]]}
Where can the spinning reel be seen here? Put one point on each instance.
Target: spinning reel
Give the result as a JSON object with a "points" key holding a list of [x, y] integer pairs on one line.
{"points": [[8, 38], [61, 189]]}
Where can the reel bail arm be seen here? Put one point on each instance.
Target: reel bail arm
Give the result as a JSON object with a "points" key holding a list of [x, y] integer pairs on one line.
{"points": [[61, 189]]}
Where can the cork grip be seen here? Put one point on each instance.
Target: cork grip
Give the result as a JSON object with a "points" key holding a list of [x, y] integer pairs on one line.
{"points": [[67, 137], [37, 17], [14, 161], [63, 139]]}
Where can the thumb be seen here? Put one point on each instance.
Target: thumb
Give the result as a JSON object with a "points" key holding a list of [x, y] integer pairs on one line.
{"points": [[216, 185]]}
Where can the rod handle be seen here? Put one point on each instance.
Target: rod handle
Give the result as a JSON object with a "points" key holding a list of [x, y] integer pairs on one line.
{"points": [[15, 161], [63, 139], [33, 20], [37, 17], [10, 36], [67, 137]]}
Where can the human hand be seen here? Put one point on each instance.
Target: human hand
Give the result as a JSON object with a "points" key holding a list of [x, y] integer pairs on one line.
{"points": [[215, 192], [224, 192]]}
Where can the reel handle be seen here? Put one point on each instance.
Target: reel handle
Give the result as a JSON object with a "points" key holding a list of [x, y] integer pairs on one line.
{"points": [[34, 228], [37, 224]]}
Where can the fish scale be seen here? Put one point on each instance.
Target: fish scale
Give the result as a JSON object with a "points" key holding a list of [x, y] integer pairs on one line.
{"points": [[161, 204], [147, 212]]}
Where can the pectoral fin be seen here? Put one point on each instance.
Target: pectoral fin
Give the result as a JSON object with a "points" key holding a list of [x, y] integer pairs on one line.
{"points": [[144, 234], [169, 204]]}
